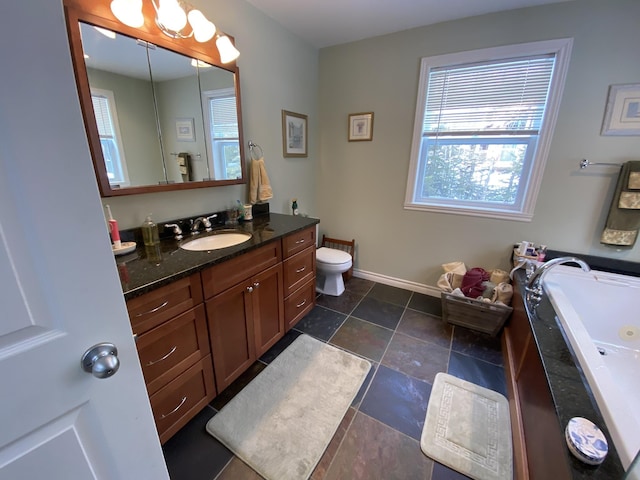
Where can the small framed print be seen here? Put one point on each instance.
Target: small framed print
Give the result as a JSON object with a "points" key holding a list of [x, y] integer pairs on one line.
{"points": [[622, 115], [361, 127], [294, 134], [185, 130]]}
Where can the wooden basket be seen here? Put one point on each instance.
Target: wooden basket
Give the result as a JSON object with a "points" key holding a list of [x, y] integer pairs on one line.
{"points": [[474, 314]]}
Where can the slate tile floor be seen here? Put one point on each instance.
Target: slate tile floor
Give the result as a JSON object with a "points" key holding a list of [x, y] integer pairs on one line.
{"points": [[404, 337]]}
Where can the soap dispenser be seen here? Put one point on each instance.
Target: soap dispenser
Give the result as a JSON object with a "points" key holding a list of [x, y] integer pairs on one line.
{"points": [[150, 232]]}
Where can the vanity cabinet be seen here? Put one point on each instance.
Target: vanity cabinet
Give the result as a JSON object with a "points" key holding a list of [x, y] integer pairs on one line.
{"points": [[173, 347], [245, 309], [198, 334], [538, 441], [299, 275]]}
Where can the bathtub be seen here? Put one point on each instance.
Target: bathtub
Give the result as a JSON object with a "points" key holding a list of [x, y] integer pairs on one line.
{"points": [[600, 315]]}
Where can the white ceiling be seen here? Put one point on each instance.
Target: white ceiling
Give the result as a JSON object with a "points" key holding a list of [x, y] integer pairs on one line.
{"points": [[323, 23]]}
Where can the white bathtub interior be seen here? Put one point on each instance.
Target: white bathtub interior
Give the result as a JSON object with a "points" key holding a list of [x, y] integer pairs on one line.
{"points": [[600, 315]]}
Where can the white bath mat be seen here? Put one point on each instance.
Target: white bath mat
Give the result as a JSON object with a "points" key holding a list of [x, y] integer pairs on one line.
{"points": [[467, 428], [282, 422]]}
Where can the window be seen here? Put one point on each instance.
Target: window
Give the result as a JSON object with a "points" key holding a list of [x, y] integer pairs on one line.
{"points": [[223, 138], [104, 107], [483, 126]]}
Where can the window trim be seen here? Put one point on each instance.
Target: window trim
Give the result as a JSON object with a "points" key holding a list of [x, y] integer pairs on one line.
{"points": [[561, 48], [208, 95], [111, 100]]}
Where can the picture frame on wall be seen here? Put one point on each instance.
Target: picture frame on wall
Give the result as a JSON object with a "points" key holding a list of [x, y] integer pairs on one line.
{"points": [[622, 114], [185, 129], [294, 134], [361, 127]]}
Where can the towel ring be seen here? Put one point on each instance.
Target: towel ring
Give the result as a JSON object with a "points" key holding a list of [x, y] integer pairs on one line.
{"points": [[251, 148]]}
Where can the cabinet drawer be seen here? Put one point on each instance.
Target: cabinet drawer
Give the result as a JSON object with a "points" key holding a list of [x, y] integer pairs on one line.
{"points": [[176, 403], [153, 308], [299, 269], [298, 304], [298, 241], [168, 350], [220, 277]]}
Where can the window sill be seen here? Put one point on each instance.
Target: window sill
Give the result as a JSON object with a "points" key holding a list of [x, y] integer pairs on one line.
{"points": [[472, 212]]}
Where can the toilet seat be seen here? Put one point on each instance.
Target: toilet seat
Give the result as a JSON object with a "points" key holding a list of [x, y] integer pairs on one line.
{"points": [[331, 256]]}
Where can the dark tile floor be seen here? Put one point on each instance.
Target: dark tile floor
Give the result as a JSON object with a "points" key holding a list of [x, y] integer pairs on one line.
{"points": [[404, 337]]}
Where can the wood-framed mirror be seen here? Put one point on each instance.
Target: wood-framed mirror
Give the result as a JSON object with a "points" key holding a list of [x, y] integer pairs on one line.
{"points": [[161, 114]]}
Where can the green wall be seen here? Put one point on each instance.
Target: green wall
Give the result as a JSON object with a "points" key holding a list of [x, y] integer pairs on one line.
{"points": [[361, 185]]}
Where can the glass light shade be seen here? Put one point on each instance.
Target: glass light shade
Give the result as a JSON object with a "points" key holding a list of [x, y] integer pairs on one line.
{"points": [[203, 29], [199, 63], [106, 33], [128, 12], [171, 15], [228, 53]]}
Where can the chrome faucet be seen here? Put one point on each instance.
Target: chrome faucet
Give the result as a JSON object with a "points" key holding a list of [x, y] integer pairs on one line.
{"points": [[534, 285], [205, 221], [177, 231]]}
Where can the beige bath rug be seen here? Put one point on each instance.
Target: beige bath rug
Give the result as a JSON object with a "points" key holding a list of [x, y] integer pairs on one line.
{"points": [[467, 428], [282, 422]]}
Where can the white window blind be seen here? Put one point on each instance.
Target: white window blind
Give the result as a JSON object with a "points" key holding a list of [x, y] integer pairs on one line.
{"points": [[224, 118], [506, 98], [103, 116]]}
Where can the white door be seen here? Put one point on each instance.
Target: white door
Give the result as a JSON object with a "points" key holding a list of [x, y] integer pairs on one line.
{"points": [[59, 289]]}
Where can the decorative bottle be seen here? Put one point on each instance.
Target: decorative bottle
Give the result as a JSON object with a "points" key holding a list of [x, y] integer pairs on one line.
{"points": [[294, 206]]}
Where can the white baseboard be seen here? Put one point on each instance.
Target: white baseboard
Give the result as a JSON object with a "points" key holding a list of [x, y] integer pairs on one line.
{"points": [[397, 282]]}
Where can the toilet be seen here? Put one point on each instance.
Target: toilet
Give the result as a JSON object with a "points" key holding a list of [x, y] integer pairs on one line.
{"points": [[330, 265]]}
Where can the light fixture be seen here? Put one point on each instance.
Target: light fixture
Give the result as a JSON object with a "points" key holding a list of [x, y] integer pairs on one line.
{"points": [[228, 53], [128, 12], [199, 63], [172, 17], [106, 33], [203, 29]]}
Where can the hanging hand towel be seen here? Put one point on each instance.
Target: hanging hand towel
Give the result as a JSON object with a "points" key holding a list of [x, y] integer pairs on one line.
{"points": [[623, 220], [259, 185]]}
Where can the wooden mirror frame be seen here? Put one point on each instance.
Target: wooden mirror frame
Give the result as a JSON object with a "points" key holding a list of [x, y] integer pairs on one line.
{"points": [[98, 13]]}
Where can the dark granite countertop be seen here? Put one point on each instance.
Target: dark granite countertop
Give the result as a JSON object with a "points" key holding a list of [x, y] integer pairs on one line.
{"points": [[570, 390], [142, 270]]}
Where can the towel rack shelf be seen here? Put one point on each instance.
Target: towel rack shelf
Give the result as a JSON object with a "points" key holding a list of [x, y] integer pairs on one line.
{"points": [[584, 163]]}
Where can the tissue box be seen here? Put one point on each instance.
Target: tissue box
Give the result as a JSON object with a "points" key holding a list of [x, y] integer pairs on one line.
{"points": [[474, 314]]}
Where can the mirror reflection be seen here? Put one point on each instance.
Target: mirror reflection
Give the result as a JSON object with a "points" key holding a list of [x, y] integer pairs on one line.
{"points": [[162, 117]]}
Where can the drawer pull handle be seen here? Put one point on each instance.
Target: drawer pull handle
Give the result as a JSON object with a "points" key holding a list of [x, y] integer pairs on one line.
{"points": [[184, 399], [163, 358], [300, 241], [153, 310], [300, 270], [256, 284], [301, 303], [249, 289]]}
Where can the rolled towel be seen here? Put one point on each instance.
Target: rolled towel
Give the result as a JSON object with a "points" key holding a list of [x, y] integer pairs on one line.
{"points": [[489, 288], [455, 267], [503, 293], [499, 276], [472, 282]]}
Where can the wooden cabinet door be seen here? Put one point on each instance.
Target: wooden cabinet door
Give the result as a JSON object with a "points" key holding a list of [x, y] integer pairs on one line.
{"points": [[268, 308], [231, 333]]}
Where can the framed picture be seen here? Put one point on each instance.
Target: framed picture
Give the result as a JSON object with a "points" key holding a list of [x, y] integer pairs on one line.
{"points": [[185, 130], [294, 134], [361, 127], [622, 115]]}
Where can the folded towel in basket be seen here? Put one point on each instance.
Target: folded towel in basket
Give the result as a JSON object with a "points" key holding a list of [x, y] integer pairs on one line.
{"points": [[623, 221]]}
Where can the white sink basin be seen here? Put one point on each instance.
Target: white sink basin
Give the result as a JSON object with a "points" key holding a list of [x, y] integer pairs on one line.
{"points": [[216, 241]]}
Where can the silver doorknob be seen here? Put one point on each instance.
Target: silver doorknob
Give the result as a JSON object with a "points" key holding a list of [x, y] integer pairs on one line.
{"points": [[101, 360]]}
